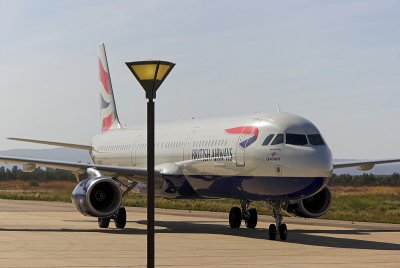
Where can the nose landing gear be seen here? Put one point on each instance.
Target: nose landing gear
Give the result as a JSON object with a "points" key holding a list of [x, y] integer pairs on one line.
{"points": [[278, 227]]}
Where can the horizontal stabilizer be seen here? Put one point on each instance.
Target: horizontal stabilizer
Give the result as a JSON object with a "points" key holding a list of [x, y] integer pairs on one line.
{"points": [[61, 144]]}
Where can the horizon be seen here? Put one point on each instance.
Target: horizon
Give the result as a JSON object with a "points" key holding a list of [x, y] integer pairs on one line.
{"points": [[69, 154]]}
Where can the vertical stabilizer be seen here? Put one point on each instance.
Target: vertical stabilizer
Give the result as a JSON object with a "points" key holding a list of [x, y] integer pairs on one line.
{"points": [[108, 111]]}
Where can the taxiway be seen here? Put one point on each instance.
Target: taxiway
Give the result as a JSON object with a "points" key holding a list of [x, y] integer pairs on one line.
{"points": [[51, 234]]}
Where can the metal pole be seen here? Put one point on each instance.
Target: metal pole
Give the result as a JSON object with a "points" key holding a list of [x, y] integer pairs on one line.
{"points": [[150, 183]]}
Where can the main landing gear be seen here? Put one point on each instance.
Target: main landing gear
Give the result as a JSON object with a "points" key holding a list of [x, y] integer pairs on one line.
{"points": [[249, 215], [119, 219]]}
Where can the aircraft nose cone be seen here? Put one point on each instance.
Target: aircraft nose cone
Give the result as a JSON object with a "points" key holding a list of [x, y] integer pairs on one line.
{"points": [[311, 161], [322, 161]]}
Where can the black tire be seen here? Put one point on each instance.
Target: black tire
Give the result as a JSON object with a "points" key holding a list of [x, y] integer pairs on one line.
{"points": [[103, 222], [120, 219], [283, 231], [272, 231], [235, 217], [251, 220]]}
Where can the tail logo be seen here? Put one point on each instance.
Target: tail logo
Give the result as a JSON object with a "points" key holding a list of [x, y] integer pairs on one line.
{"points": [[107, 120], [104, 78], [247, 130], [108, 111]]}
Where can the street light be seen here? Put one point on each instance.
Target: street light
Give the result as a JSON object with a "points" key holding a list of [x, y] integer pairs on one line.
{"points": [[150, 75]]}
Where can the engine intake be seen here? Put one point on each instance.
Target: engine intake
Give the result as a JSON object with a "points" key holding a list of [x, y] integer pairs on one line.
{"points": [[314, 206], [97, 197]]}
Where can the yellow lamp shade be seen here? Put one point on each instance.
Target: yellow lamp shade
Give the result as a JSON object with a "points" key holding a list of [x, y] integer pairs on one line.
{"points": [[163, 69], [150, 74], [144, 71]]}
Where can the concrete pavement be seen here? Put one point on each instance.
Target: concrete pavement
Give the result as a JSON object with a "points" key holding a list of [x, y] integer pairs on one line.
{"points": [[52, 234]]}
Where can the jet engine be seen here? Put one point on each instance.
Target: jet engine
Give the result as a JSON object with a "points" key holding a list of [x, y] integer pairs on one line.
{"points": [[98, 197], [314, 206]]}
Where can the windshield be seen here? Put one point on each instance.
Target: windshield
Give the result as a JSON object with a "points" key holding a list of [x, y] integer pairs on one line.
{"points": [[296, 139], [315, 139], [278, 139], [268, 139]]}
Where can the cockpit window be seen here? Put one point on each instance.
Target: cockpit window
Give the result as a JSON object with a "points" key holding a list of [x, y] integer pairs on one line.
{"points": [[296, 139], [268, 139], [315, 139], [278, 139]]}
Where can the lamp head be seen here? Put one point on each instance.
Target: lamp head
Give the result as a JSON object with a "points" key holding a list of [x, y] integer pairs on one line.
{"points": [[150, 74]]}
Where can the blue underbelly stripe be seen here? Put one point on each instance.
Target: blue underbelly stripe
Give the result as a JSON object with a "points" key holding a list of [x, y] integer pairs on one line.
{"points": [[242, 187]]}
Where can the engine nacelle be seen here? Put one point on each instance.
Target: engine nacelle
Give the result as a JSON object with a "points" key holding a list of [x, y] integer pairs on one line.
{"points": [[97, 197], [314, 206]]}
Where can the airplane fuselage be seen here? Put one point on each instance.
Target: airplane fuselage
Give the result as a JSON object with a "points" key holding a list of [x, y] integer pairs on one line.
{"points": [[229, 157]]}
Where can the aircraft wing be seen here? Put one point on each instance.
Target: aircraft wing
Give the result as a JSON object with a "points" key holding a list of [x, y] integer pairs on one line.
{"points": [[62, 144], [80, 168], [363, 165]]}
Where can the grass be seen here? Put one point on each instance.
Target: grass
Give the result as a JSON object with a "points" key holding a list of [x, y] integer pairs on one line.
{"points": [[38, 195], [365, 203], [40, 191], [373, 203]]}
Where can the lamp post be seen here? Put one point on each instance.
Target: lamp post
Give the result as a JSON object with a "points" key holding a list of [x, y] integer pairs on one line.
{"points": [[150, 75]]}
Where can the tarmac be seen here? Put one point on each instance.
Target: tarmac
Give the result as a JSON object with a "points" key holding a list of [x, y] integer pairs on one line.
{"points": [[52, 234]]}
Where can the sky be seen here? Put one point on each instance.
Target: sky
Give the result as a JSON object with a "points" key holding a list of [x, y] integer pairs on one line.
{"points": [[336, 63]]}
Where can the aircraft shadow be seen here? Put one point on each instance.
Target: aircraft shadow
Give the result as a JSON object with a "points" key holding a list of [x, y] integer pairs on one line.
{"points": [[321, 238]]}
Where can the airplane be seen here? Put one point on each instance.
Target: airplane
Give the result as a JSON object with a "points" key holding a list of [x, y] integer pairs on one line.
{"points": [[280, 158]]}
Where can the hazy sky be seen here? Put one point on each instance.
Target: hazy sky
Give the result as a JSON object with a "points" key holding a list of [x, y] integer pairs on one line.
{"points": [[336, 63]]}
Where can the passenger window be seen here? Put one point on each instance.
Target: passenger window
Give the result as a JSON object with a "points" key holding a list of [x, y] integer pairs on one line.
{"points": [[278, 139], [296, 139], [268, 139], [315, 139]]}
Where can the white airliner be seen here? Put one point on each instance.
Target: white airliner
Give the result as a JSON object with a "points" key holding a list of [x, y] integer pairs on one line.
{"points": [[279, 158]]}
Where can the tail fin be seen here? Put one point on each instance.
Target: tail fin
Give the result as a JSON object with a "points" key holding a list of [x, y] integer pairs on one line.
{"points": [[108, 111]]}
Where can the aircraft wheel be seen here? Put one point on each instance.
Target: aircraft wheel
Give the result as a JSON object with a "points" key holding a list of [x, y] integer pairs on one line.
{"points": [[120, 219], [235, 217], [251, 220], [283, 231], [272, 231], [103, 222]]}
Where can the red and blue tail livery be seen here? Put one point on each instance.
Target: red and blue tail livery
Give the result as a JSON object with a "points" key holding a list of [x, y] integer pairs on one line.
{"points": [[109, 116]]}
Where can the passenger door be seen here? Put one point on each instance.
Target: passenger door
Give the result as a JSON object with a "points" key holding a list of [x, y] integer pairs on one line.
{"points": [[243, 142], [240, 151]]}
